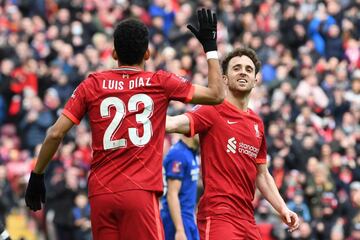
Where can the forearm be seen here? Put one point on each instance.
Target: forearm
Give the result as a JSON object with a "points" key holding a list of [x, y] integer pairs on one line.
{"points": [[175, 211], [47, 151], [215, 82], [178, 124], [268, 189]]}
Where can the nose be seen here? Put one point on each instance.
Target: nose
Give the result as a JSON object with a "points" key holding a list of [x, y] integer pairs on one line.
{"points": [[242, 73]]}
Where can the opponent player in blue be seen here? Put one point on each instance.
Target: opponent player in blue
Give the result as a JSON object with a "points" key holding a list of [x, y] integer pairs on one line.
{"points": [[181, 173]]}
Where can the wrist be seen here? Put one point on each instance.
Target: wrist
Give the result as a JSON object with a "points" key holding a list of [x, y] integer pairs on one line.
{"points": [[210, 46], [283, 210], [38, 174], [212, 55]]}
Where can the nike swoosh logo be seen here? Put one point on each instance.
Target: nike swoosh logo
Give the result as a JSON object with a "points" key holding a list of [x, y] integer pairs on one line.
{"points": [[229, 122]]}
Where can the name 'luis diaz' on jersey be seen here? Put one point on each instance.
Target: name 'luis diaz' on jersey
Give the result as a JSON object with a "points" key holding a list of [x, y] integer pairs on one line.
{"points": [[109, 84]]}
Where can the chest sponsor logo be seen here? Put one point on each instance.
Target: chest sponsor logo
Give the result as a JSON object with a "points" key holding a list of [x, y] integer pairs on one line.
{"points": [[231, 145], [234, 146]]}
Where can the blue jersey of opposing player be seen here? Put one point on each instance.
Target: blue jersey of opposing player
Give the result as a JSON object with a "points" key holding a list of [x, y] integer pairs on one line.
{"points": [[180, 163]]}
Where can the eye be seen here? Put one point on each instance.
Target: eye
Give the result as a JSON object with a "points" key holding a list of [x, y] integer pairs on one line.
{"points": [[249, 69], [236, 68]]}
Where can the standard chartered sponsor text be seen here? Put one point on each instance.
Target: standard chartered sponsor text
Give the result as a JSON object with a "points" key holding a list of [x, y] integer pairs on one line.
{"points": [[248, 149]]}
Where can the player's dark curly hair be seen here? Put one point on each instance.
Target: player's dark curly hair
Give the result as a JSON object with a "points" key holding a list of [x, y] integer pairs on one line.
{"points": [[238, 53], [131, 40]]}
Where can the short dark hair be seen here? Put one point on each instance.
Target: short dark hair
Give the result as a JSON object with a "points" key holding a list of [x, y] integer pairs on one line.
{"points": [[238, 53], [131, 40]]}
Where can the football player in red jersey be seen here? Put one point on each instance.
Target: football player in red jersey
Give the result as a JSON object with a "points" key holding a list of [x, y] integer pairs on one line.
{"points": [[127, 107], [233, 153]]}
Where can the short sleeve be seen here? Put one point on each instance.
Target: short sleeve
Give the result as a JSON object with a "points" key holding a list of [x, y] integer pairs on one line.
{"points": [[76, 107], [201, 119], [176, 87], [261, 157], [175, 165]]}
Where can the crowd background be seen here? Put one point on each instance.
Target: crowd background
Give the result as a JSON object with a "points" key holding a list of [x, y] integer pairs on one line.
{"points": [[308, 97]]}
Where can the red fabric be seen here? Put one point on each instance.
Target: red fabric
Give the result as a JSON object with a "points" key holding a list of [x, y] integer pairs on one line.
{"points": [[126, 215], [279, 175], [265, 230], [24, 79], [128, 147], [232, 144], [227, 228], [15, 105]]}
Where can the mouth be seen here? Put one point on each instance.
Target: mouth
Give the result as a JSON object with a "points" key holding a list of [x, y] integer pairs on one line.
{"points": [[242, 81]]}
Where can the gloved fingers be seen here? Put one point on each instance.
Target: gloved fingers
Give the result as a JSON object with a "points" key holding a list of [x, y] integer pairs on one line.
{"points": [[214, 19], [209, 17], [193, 30], [33, 204]]}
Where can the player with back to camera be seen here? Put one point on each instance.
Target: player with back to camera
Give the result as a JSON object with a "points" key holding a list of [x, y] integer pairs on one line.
{"points": [[233, 156], [126, 107]]}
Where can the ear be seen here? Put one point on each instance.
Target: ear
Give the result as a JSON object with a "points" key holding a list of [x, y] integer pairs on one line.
{"points": [[147, 54], [225, 79], [257, 77], [114, 55]]}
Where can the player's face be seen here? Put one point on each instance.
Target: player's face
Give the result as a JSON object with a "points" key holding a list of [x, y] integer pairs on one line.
{"points": [[241, 74]]}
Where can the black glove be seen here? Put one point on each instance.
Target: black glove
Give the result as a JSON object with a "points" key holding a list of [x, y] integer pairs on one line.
{"points": [[35, 191], [207, 29]]}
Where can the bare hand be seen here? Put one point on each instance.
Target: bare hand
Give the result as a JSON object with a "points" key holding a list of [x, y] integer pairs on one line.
{"points": [[291, 219]]}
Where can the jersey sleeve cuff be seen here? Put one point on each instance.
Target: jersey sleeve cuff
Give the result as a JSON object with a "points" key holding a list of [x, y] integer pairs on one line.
{"points": [[190, 94], [192, 127], [70, 116], [261, 161], [173, 177]]}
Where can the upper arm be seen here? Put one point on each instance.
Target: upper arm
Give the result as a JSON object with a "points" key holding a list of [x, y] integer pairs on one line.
{"points": [[178, 124], [262, 169], [262, 154], [204, 95], [261, 175], [174, 185], [76, 106], [61, 127]]}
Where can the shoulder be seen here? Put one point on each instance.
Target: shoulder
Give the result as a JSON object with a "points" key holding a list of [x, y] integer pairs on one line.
{"points": [[165, 74]]}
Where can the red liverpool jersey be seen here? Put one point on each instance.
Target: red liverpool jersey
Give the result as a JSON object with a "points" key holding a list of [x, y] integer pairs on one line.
{"points": [[127, 110], [232, 143]]}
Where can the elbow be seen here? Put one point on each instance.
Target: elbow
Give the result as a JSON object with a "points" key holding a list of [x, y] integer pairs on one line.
{"points": [[169, 125], [171, 195], [219, 95], [55, 134], [218, 99]]}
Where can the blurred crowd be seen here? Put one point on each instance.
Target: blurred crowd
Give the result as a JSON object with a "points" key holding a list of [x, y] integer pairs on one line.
{"points": [[308, 97]]}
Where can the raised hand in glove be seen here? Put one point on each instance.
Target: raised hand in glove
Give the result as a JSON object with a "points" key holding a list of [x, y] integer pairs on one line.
{"points": [[206, 33], [35, 191]]}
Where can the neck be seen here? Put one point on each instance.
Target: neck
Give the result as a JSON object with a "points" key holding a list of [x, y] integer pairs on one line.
{"points": [[140, 65], [240, 100]]}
